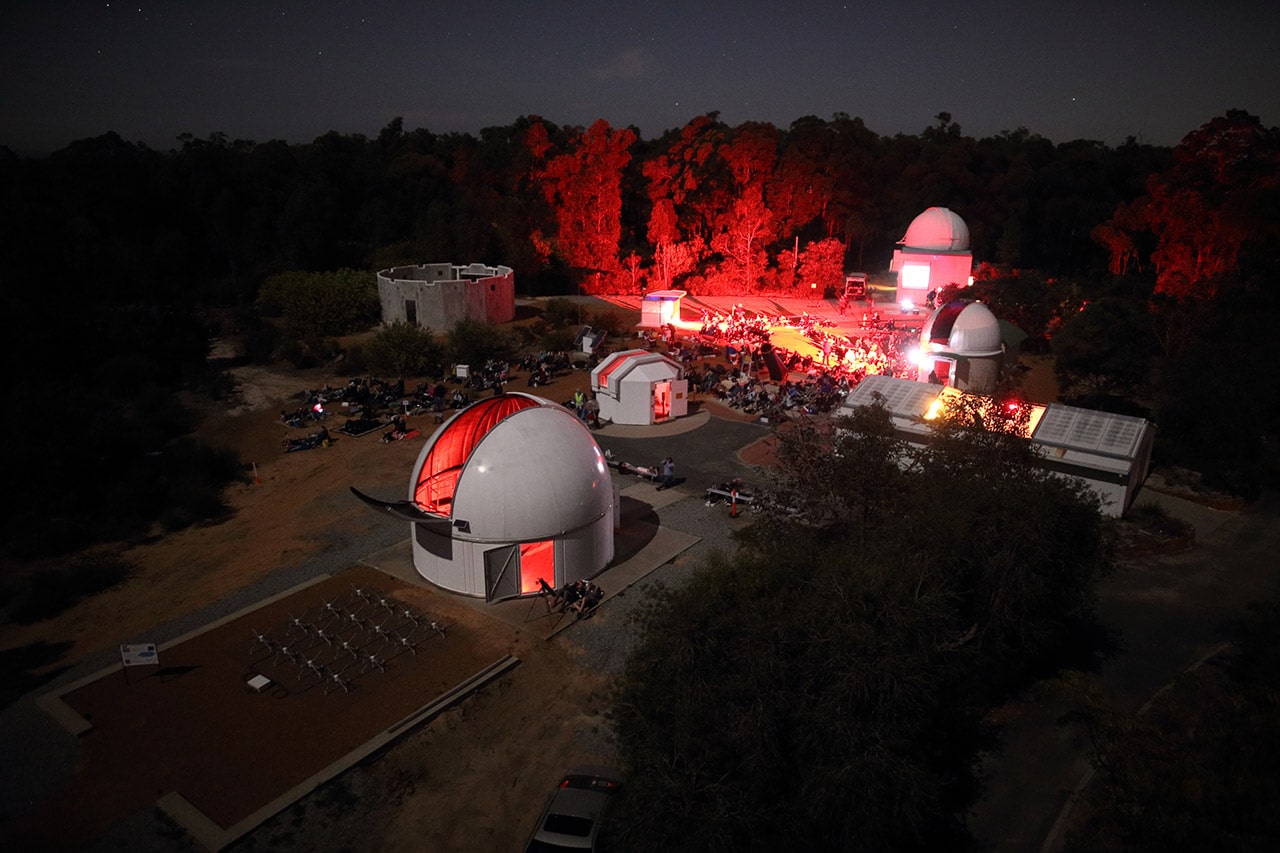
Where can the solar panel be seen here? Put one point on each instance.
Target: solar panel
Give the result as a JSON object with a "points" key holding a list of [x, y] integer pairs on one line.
{"points": [[1084, 429], [901, 396]]}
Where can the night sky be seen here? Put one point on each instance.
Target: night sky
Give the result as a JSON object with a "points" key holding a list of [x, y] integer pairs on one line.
{"points": [[1066, 70]]}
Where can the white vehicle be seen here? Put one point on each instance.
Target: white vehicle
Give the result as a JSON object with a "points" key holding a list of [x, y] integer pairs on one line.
{"points": [[571, 820]]}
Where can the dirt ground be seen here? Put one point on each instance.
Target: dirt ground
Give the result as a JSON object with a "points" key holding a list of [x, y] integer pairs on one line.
{"points": [[475, 778], [454, 784]]}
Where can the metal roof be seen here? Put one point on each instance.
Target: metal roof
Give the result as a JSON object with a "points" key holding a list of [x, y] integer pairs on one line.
{"points": [[1088, 430]]}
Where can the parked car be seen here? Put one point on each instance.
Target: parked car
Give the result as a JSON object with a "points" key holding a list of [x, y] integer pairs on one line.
{"points": [[573, 814]]}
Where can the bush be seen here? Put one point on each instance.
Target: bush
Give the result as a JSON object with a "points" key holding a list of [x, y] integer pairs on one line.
{"points": [[557, 340], [322, 304], [475, 342], [561, 312], [402, 349], [608, 321], [308, 353], [354, 362]]}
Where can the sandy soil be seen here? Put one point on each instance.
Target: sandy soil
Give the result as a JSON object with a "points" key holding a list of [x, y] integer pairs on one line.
{"points": [[473, 779]]}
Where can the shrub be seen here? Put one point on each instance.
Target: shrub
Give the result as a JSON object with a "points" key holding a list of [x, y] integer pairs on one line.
{"points": [[354, 362], [320, 304], [557, 340], [475, 342], [561, 312], [402, 349], [308, 353], [608, 321], [1156, 519]]}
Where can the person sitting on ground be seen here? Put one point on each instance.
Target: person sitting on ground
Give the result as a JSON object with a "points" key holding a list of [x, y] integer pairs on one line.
{"points": [[398, 429], [591, 597], [570, 593]]}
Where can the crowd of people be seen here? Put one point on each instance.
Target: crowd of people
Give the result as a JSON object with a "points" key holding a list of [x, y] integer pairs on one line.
{"points": [[760, 377]]}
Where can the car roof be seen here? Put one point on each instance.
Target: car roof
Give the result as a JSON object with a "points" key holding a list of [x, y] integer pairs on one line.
{"points": [[578, 802], [575, 806]]}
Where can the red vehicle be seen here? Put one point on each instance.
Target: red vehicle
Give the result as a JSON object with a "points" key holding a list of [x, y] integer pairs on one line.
{"points": [[855, 285]]}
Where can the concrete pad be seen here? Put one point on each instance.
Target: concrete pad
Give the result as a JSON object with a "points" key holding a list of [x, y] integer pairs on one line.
{"points": [[675, 427], [648, 493], [653, 546]]}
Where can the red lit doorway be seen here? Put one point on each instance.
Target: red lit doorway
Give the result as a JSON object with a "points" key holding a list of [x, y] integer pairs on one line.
{"points": [[661, 401], [513, 570]]}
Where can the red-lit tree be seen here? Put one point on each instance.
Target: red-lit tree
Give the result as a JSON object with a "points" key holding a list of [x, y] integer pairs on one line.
{"points": [[583, 185], [1216, 199], [1124, 236], [822, 261], [742, 224], [678, 182]]}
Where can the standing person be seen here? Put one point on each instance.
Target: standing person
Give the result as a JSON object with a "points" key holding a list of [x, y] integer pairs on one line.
{"points": [[667, 473], [580, 404]]}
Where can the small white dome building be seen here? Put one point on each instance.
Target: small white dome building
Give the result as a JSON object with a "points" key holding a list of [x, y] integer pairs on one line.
{"points": [[960, 346], [935, 253], [511, 489], [640, 387]]}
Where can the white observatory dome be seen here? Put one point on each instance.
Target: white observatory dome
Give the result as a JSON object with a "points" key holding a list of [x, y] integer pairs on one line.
{"points": [[963, 328], [938, 229], [513, 468]]}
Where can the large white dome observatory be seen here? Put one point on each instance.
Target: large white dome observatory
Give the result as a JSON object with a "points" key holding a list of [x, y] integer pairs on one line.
{"points": [[511, 489], [960, 345], [935, 253]]}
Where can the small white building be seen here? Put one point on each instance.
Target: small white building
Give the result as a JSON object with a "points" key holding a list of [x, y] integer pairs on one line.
{"points": [[960, 345], [511, 489], [660, 308], [439, 296], [640, 387], [1110, 453], [935, 253]]}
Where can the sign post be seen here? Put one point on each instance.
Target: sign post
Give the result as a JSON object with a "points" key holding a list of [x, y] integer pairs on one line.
{"points": [[138, 654]]}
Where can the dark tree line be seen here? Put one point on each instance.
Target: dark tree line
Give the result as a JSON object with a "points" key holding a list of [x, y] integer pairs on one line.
{"points": [[214, 216]]}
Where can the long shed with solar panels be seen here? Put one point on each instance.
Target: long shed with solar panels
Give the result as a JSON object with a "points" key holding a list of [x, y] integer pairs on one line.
{"points": [[1110, 453]]}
